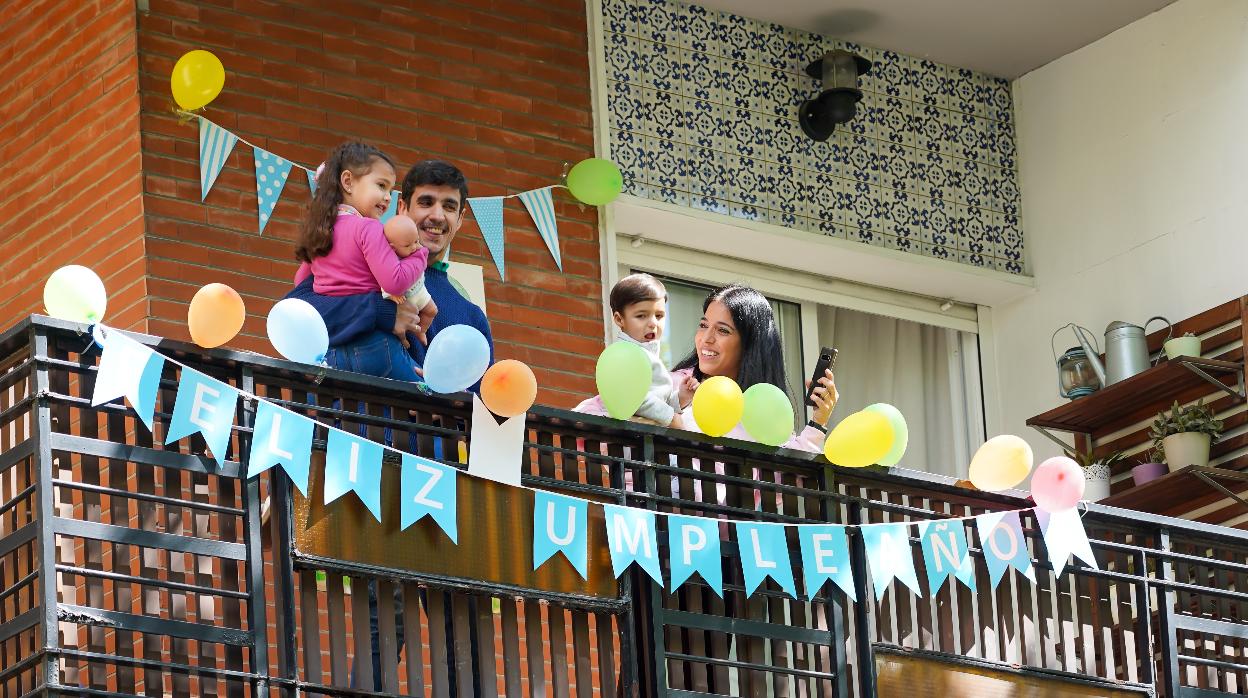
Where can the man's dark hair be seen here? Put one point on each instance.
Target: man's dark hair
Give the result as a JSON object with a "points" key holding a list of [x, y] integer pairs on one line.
{"points": [[636, 288], [437, 173]]}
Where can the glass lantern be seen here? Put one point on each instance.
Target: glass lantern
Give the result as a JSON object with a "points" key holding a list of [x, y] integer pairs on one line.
{"points": [[1075, 377]]}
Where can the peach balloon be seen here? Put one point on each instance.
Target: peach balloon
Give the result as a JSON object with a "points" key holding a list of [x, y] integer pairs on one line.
{"points": [[215, 316], [1001, 463], [509, 388]]}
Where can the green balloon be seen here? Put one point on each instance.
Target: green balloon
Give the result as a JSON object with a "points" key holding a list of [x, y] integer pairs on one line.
{"points": [[75, 293], [901, 433], [595, 181], [768, 415], [623, 377]]}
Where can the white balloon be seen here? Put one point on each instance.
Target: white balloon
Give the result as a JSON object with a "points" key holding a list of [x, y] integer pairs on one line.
{"points": [[297, 331], [75, 293]]}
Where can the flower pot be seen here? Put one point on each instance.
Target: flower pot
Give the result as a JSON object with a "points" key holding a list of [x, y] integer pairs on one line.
{"points": [[1096, 482], [1188, 448], [1147, 472], [1182, 346]]}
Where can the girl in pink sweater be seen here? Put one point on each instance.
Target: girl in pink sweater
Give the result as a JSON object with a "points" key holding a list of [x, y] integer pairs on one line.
{"points": [[342, 245]]}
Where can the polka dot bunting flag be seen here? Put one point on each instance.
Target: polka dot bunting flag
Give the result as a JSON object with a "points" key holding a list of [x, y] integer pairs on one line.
{"points": [[271, 174]]}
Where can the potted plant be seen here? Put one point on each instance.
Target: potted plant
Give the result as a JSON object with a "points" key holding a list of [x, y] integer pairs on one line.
{"points": [[1096, 472], [1184, 434], [1187, 345], [1152, 466]]}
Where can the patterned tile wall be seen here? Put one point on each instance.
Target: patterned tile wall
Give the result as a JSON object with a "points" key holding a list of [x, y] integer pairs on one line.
{"points": [[703, 113]]}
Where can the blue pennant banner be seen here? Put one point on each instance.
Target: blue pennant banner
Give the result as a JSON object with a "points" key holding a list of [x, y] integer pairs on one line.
{"points": [[353, 464], [693, 546], [559, 524], [215, 146], [488, 210], [888, 552], [392, 208], [1001, 537], [204, 405], [946, 554], [284, 438], [825, 555], [429, 488], [542, 210], [271, 174], [311, 181], [631, 538], [127, 369], [1063, 535], [764, 553]]}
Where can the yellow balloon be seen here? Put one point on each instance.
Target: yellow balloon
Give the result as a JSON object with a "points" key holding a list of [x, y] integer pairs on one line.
{"points": [[718, 405], [1001, 463], [861, 439], [197, 79]]}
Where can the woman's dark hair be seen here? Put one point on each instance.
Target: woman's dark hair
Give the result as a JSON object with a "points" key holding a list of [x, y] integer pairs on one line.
{"points": [[636, 288], [316, 233], [762, 355]]}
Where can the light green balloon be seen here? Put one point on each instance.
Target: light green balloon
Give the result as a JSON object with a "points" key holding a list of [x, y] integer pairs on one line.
{"points": [[595, 181], [901, 433], [623, 377], [768, 415], [76, 294]]}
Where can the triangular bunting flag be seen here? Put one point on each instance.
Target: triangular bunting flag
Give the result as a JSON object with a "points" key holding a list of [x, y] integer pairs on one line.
{"points": [[825, 555], [488, 210], [204, 405], [429, 487], [1064, 534], [946, 554], [215, 146], [631, 538], [497, 450], [559, 524], [764, 553], [542, 209], [271, 174], [353, 464], [127, 369], [693, 546], [1001, 538], [311, 181], [392, 208], [281, 437], [888, 552]]}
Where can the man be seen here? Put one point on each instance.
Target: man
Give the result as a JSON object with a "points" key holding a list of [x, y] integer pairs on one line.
{"points": [[433, 194]]}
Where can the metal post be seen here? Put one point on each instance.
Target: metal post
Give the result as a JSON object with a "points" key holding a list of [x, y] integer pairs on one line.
{"points": [[47, 512], [1143, 615], [650, 619], [1168, 599], [862, 614], [257, 603], [835, 607]]}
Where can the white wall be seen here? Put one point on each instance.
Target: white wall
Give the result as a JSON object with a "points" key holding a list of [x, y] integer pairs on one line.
{"points": [[1133, 159]]}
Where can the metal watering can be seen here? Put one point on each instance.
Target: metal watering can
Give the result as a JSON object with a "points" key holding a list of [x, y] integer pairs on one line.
{"points": [[1126, 350]]}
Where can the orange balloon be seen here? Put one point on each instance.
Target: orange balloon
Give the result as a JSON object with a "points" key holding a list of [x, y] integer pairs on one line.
{"points": [[509, 388], [215, 316]]}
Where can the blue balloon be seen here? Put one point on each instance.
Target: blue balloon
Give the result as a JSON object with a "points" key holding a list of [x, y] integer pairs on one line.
{"points": [[457, 358], [297, 331]]}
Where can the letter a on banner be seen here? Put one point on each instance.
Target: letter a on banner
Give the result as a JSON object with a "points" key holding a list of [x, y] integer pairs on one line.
{"points": [[888, 551], [542, 211], [215, 145], [429, 488], [281, 437], [764, 553], [693, 546], [946, 553], [631, 537], [1064, 534], [1001, 537], [825, 555], [203, 405], [488, 210], [127, 369], [353, 464], [271, 174], [559, 524]]}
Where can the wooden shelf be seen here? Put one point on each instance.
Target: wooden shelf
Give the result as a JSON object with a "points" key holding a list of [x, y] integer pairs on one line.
{"points": [[1159, 496], [1150, 391]]}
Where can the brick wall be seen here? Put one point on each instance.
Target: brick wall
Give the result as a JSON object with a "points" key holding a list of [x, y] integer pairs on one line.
{"points": [[499, 87], [70, 185]]}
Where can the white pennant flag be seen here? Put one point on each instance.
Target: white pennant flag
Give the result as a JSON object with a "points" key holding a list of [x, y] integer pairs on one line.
{"points": [[1063, 535], [128, 369], [496, 450], [542, 210], [215, 145]]}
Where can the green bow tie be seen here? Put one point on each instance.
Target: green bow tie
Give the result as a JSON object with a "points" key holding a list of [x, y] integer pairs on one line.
{"points": [[441, 266]]}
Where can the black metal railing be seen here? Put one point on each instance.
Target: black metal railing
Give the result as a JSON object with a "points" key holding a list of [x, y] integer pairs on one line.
{"points": [[132, 567]]}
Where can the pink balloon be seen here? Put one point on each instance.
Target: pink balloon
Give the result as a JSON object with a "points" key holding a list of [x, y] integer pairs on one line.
{"points": [[1057, 484]]}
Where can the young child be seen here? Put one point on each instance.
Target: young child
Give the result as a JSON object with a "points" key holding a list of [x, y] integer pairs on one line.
{"points": [[342, 244], [638, 306]]}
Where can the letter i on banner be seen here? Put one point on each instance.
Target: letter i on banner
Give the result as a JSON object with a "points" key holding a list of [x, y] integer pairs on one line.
{"points": [[559, 524], [693, 546], [203, 405], [1001, 537], [429, 488], [127, 369], [825, 555], [764, 553], [631, 537], [946, 553], [353, 464], [281, 437]]}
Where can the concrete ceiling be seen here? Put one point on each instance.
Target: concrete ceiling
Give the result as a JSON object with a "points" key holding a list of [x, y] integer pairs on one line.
{"points": [[1006, 38]]}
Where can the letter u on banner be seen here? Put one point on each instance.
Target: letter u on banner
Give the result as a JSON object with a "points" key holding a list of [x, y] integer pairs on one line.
{"points": [[631, 537], [429, 487], [281, 437], [353, 464], [204, 405], [693, 546], [764, 553], [559, 524]]}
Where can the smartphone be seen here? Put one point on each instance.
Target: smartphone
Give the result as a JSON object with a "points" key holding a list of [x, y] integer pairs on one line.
{"points": [[827, 359]]}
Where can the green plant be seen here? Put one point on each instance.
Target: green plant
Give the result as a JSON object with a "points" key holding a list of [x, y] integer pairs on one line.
{"points": [[1181, 420], [1087, 459]]}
